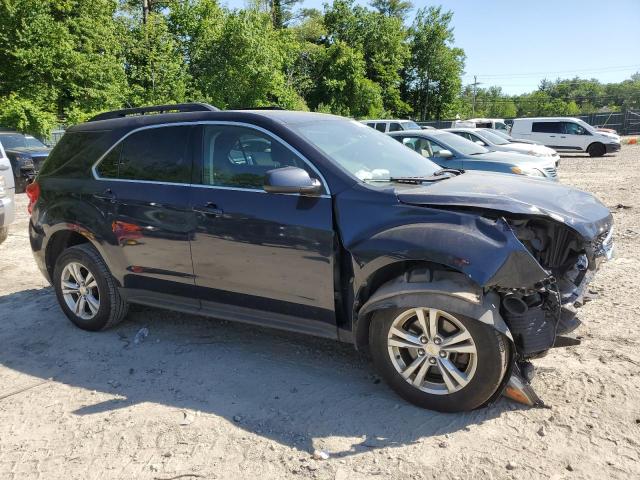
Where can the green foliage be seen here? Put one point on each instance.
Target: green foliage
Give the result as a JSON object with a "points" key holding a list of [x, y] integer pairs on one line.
{"points": [[382, 41], [155, 70], [62, 61], [60, 56], [26, 116], [393, 8], [432, 80], [341, 86]]}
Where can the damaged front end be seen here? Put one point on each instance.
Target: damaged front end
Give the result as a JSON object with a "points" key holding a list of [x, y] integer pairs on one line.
{"points": [[541, 315]]}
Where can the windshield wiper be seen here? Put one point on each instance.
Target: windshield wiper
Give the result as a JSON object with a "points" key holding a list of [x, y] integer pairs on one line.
{"points": [[455, 171], [435, 177]]}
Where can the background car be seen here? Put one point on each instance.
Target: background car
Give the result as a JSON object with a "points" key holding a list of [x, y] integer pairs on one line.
{"points": [[567, 134], [497, 143], [506, 136], [26, 154], [7, 191], [494, 123], [452, 151], [385, 126]]}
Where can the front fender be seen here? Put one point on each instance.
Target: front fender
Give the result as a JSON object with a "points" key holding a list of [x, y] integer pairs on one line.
{"points": [[448, 291]]}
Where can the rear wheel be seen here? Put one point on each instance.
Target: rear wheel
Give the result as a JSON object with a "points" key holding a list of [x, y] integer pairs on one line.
{"points": [[596, 150], [86, 290], [437, 360]]}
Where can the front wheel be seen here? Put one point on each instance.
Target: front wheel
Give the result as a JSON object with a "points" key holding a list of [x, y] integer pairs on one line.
{"points": [[438, 360], [596, 150]]}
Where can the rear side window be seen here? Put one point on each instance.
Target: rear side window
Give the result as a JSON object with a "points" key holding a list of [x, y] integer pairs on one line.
{"points": [[156, 154], [394, 127], [73, 154], [381, 127], [546, 127]]}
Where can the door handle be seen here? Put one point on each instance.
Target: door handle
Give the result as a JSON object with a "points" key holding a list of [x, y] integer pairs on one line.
{"points": [[4, 167], [562, 136], [209, 208], [107, 196], [552, 136]]}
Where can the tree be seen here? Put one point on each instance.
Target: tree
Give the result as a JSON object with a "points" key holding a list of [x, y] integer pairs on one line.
{"points": [[380, 39], [155, 69], [341, 86], [241, 63], [432, 78], [60, 58], [393, 8]]}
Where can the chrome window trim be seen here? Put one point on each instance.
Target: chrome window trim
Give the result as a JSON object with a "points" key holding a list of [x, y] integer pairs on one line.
{"points": [[94, 172]]}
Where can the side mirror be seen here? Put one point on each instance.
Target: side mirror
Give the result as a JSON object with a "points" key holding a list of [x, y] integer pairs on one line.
{"points": [[444, 154], [480, 142], [291, 180]]}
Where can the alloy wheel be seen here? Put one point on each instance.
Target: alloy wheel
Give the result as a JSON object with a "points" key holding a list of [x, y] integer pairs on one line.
{"points": [[80, 290], [432, 350]]}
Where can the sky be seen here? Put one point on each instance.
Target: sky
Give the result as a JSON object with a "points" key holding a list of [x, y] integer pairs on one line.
{"points": [[516, 44]]}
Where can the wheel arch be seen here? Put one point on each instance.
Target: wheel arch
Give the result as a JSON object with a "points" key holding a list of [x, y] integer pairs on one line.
{"points": [[596, 143], [64, 237], [434, 286]]}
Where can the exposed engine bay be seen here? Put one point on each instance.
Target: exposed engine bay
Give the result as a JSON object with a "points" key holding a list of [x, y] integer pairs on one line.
{"points": [[539, 317]]}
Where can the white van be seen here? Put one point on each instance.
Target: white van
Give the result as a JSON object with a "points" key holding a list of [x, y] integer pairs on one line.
{"points": [[566, 134], [386, 126], [7, 193], [494, 123]]}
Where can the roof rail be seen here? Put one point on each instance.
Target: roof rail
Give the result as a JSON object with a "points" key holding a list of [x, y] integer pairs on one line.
{"points": [[156, 109]]}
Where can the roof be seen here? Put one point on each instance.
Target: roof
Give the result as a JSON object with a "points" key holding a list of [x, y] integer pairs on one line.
{"points": [[387, 120], [421, 132], [550, 119], [250, 116]]}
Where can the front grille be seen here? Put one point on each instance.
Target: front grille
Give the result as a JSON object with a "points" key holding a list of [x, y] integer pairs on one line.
{"points": [[551, 172]]}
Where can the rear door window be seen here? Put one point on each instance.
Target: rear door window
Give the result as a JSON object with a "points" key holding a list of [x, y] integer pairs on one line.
{"points": [[157, 154], [394, 127], [381, 127], [546, 127]]}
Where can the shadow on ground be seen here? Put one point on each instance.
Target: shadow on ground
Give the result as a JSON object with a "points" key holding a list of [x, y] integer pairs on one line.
{"points": [[287, 387]]}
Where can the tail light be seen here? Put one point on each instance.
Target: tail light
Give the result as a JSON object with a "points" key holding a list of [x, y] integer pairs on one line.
{"points": [[33, 192]]}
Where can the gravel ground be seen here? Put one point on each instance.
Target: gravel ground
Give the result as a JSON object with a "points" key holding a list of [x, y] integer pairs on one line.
{"points": [[207, 399]]}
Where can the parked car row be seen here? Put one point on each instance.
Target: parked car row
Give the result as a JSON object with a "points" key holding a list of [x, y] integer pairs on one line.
{"points": [[453, 279], [528, 137]]}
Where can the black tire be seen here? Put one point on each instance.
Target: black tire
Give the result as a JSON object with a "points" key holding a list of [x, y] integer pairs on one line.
{"points": [[596, 150], [492, 359], [112, 308], [4, 233]]}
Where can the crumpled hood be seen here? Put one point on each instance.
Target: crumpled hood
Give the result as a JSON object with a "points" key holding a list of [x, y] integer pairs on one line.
{"points": [[514, 194]]}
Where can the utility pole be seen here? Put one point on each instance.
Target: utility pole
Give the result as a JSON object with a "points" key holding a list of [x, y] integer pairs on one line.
{"points": [[475, 87]]}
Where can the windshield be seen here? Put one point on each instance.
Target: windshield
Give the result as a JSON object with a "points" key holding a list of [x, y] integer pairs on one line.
{"points": [[364, 152], [410, 125], [585, 125], [493, 138], [461, 144], [20, 141], [504, 135]]}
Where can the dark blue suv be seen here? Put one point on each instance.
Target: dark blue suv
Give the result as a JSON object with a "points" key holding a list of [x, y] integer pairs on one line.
{"points": [[452, 280]]}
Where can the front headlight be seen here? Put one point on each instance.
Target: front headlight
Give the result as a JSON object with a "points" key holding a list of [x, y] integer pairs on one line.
{"points": [[531, 172]]}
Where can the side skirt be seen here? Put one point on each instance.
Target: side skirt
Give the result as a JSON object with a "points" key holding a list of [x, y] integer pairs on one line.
{"points": [[232, 313]]}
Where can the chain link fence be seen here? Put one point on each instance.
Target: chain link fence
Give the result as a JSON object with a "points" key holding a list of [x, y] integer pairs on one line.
{"points": [[626, 122]]}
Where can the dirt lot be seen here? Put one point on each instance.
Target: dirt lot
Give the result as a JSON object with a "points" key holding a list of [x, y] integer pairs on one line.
{"points": [[208, 399]]}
